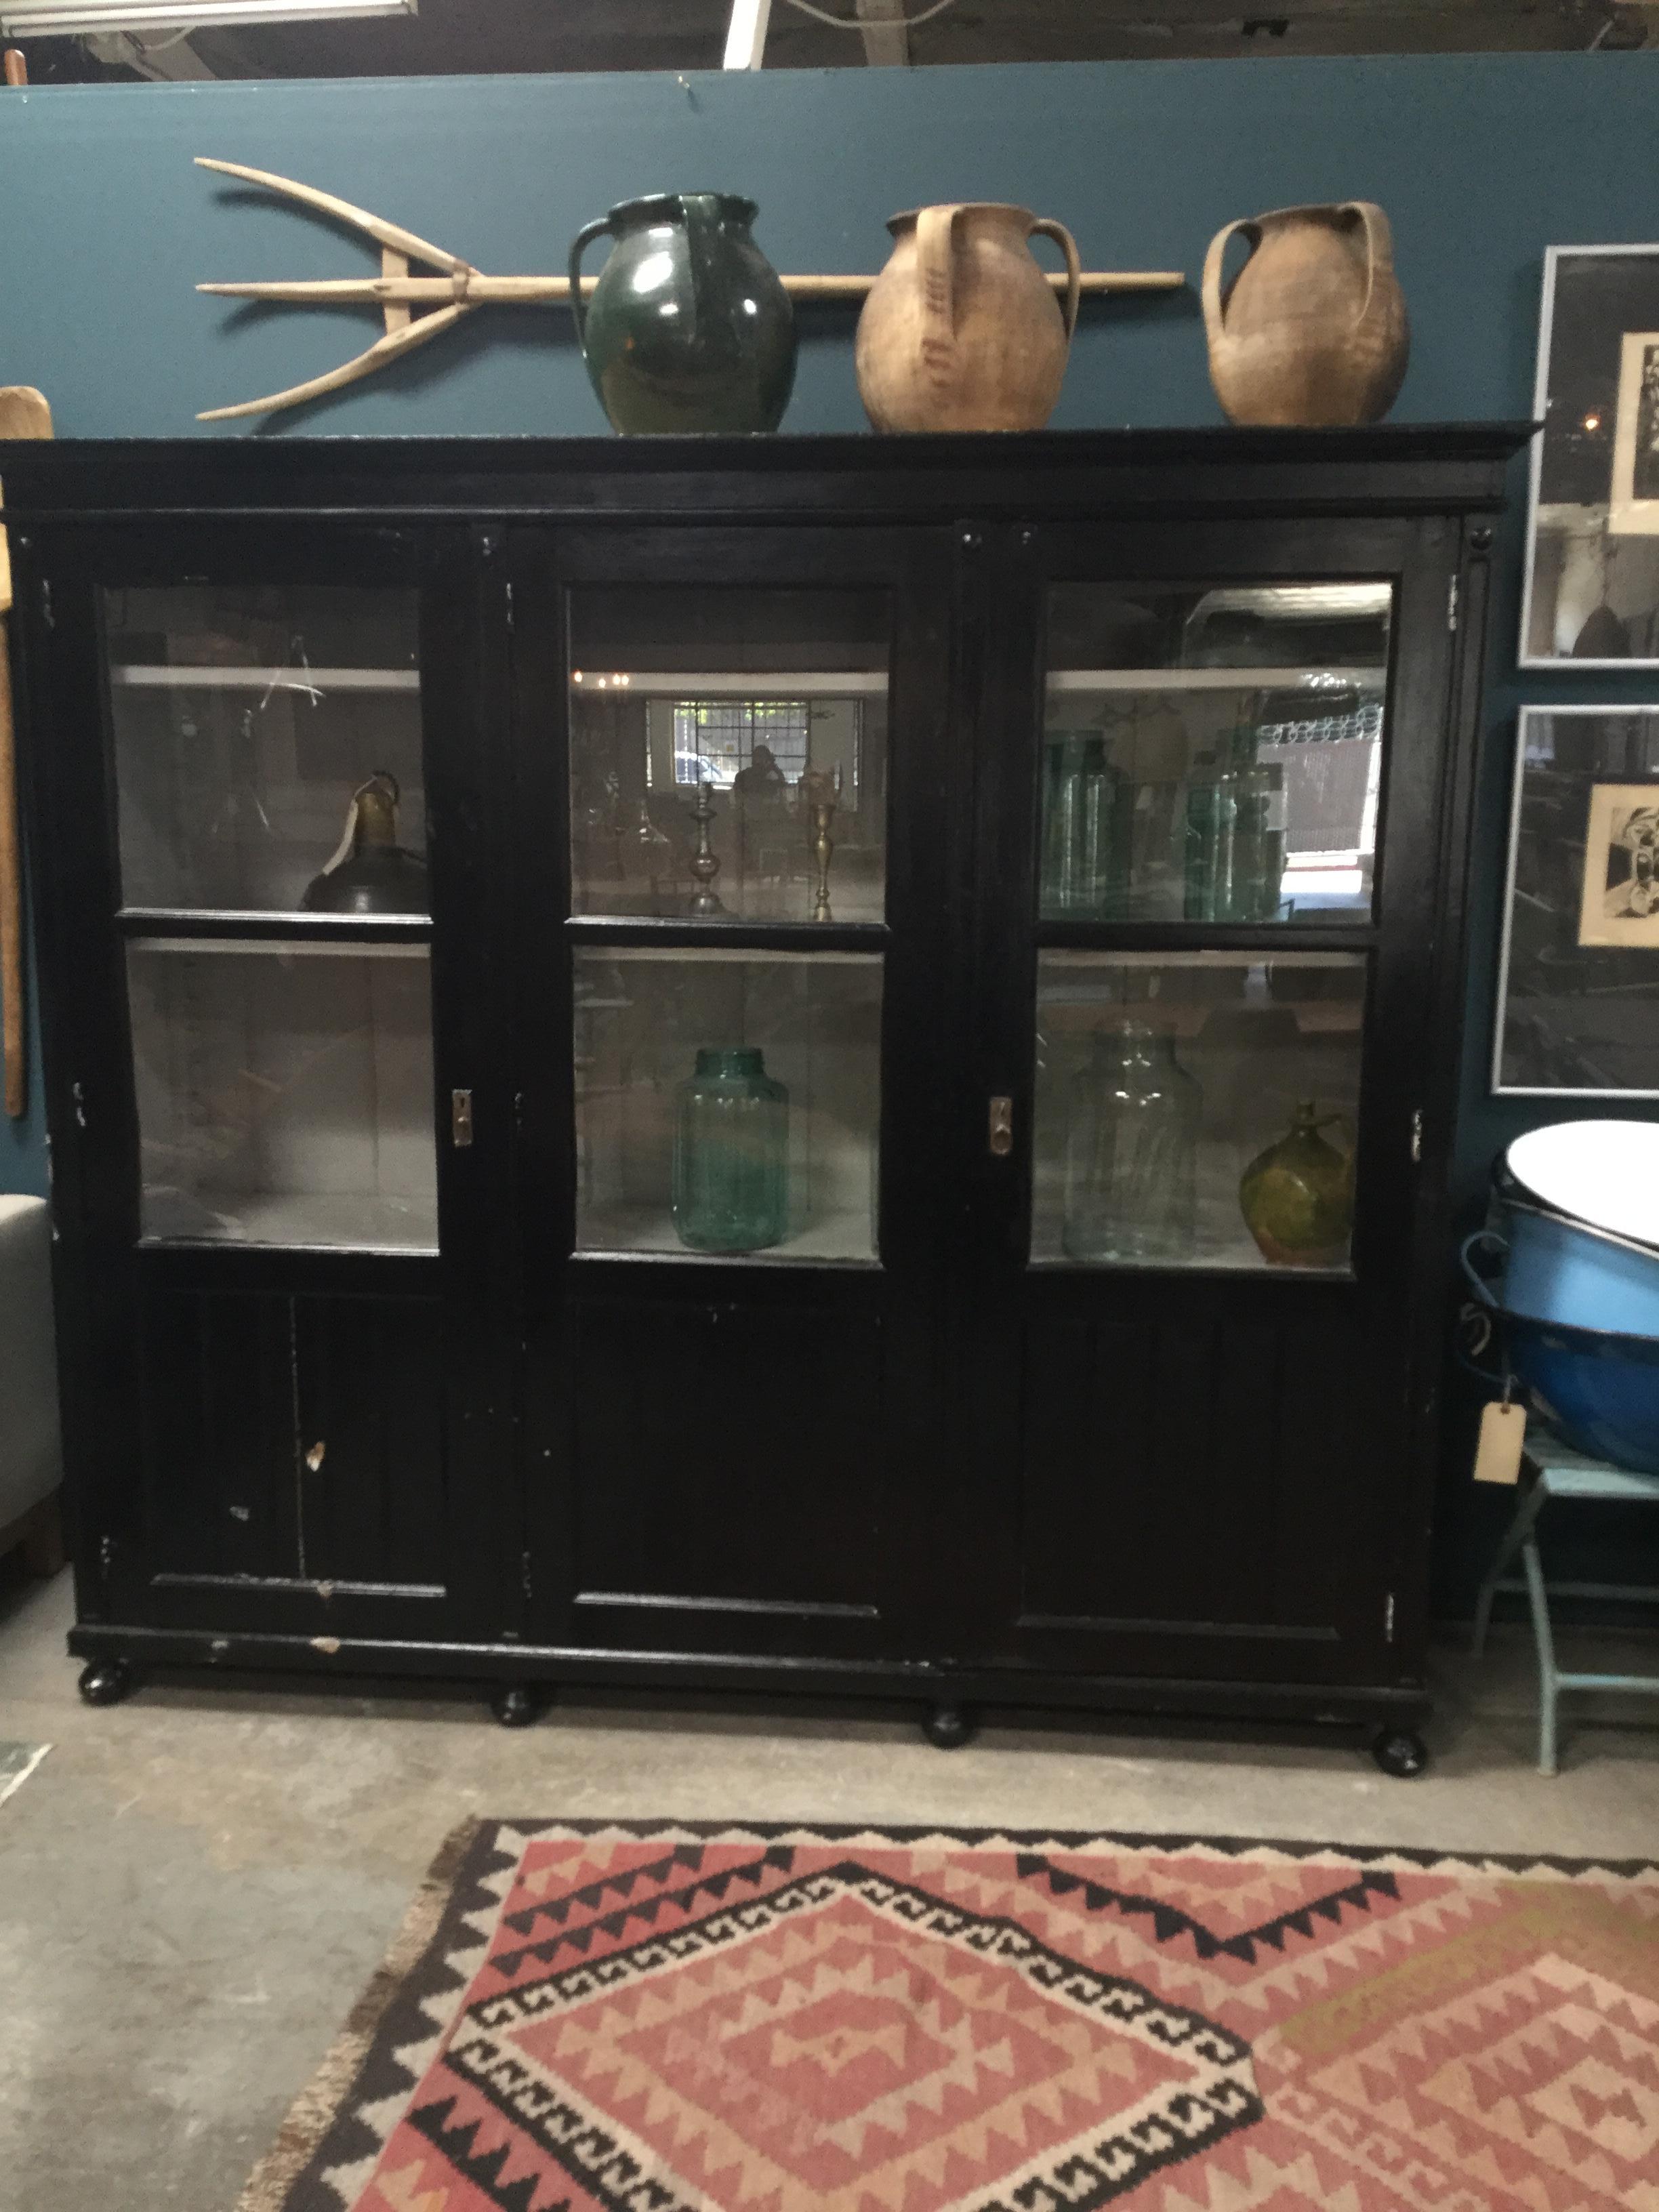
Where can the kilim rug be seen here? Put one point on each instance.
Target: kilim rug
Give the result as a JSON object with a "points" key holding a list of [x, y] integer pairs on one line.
{"points": [[596, 2017]]}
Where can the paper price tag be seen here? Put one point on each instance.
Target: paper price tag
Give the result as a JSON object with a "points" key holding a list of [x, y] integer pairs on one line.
{"points": [[1503, 1433]]}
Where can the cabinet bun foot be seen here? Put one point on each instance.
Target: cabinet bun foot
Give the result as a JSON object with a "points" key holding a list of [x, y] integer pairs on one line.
{"points": [[517, 1704], [1399, 1752], [947, 1727], [106, 1681]]}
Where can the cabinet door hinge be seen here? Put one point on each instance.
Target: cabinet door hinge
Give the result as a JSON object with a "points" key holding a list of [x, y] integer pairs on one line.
{"points": [[1387, 1620], [1452, 592], [79, 1097], [509, 609], [523, 1576], [1417, 1136], [46, 615]]}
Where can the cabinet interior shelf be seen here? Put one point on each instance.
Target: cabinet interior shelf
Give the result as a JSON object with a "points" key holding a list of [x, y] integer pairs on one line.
{"points": [[142, 676], [1313, 680], [303, 947], [627, 1231], [733, 683], [294, 1220]]}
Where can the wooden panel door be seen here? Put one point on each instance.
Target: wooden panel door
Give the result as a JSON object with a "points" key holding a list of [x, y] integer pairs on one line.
{"points": [[278, 1304], [1210, 817], [748, 837]]}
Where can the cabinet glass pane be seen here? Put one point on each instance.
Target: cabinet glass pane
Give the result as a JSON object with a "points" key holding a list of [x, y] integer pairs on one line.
{"points": [[727, 1103], [1196, 1109], [285, 1092], [1213, 755], [728, 752], [244, 720]]}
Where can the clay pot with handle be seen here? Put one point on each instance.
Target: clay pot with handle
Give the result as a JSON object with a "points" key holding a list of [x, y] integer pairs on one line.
{"points": [[961, 330], [1313, 329]]}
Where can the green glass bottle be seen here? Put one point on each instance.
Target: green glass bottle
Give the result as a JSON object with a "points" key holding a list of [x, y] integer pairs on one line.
{"points": [[732, 1154], [1087, 822], [1211, 810]]}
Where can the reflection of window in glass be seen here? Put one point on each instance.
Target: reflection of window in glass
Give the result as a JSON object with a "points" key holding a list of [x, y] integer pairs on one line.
{"points": [[719, 740]]}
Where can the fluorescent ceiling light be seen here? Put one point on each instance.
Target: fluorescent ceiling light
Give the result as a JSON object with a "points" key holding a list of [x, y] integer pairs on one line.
{"points": [[23, 19]]}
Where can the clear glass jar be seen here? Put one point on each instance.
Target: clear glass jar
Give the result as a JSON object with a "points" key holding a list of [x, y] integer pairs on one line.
{"points": [[732, 1154], [1132, 1151]]}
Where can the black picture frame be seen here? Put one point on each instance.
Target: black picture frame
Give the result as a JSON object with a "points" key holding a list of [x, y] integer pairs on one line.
{"points": [[1592, 582], [1577, 1015]]}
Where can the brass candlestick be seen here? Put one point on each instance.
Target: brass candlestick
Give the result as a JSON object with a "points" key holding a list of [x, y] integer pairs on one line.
{"points": [[705, 860], [821, 804]]}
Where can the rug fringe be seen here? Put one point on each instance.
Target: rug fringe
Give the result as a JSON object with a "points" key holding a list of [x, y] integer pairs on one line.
{"points": [[313, 2111]]}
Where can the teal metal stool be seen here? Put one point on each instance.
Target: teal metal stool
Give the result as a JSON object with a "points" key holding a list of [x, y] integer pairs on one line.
{"points": [[1550, 1469]]}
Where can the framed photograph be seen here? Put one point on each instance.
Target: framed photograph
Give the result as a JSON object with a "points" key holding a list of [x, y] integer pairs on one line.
{"points": [[1592, 587], [1620, 905], [1578, 1011]]}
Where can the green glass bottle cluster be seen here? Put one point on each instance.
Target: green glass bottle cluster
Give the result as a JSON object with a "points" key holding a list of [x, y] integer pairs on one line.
{"points": [[1234, 861], [1230, 844]]}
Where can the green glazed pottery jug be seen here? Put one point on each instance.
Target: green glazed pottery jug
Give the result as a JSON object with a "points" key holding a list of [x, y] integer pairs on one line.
{"points": [[1297, 1196], [689, 327]]}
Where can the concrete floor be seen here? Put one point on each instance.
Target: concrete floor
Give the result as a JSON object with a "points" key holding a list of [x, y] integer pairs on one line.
{"points": [[194, 1885]]}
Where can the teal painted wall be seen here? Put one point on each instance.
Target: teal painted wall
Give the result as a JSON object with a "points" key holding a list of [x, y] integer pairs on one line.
{"points": [[1482, 163]]}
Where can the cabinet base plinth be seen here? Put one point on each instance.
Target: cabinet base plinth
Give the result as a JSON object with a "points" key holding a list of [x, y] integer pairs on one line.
{"points": [[1399, 1752], [106, 1681], [947, 1727]]}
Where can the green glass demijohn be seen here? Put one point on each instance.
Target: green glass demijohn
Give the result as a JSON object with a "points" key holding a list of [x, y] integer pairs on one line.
{"points": [[730, 1154], [689, 327], [1297, 1196]]}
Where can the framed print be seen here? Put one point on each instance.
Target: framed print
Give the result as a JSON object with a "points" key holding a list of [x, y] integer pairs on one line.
{"points": [[1592, 587], [1578, 974], [1620, 904], [1635, 503]]}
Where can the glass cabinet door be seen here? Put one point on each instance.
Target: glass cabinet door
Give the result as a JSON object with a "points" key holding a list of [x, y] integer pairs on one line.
{"points": [[728, 773], [1211, 771], [1213, 755], [268, 764], [729, 752]]}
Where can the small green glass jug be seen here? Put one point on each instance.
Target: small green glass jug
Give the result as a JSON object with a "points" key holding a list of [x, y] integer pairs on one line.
{"points": [[732, 1154], [1297, 1196], [689, 327]]}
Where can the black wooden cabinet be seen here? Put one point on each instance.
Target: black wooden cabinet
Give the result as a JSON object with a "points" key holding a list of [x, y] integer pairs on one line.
{"points": [[1053, 818]]}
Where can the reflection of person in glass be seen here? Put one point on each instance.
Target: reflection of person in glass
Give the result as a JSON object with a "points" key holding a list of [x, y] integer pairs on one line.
{"points": [[762, 783]]}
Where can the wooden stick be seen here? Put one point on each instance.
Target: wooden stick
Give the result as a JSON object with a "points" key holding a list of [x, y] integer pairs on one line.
{"points": [[23, 414], [540, 291]]}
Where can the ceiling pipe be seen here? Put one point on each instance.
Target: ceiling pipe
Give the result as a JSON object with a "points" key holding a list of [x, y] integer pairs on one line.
{"points": [[745, 34], [886, 40]]}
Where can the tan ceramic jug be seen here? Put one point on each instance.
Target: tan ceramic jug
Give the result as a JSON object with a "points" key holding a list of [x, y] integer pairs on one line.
{"points": [[1313, 328], [961, 330]]}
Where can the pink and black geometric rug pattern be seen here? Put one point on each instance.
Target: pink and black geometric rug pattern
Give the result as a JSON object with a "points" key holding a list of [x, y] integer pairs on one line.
{"points": [[662, 2017]]}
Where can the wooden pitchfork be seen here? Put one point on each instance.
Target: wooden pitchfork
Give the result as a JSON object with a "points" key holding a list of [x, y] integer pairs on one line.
{"points": [[460, 287]]}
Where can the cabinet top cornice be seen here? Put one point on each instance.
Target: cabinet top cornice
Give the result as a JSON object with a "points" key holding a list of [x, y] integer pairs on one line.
{"points": [[1423, 467]]}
